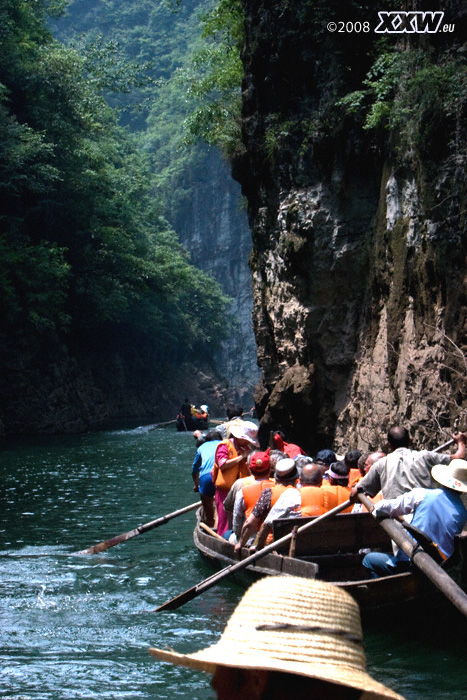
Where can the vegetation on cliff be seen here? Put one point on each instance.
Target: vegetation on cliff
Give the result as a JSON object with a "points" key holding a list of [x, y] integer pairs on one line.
{"points": [[85, 246]]}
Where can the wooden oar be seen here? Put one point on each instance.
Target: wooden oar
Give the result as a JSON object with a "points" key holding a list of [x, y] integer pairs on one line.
{"points": [[102, 546], [211, 532], [421, 559], [162, 425], [443, 447], [203, 586]]}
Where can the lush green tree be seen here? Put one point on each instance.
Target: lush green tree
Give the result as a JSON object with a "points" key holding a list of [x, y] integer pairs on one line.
{"points": [[84, 242]]}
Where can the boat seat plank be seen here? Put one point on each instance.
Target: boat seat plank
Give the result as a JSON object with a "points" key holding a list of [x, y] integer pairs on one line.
{"points": [[347, 532]]}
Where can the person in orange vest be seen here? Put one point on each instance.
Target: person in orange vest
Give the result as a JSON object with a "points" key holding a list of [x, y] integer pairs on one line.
{"points": [[286, 478], [311, 494], [231, 463], [336, 489], [351, 459], [306, 500], [249, 492]]}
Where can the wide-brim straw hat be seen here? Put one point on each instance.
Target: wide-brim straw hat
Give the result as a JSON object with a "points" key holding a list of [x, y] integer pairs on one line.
{"points": [[453, 475], [293, 625], [246, 430]]}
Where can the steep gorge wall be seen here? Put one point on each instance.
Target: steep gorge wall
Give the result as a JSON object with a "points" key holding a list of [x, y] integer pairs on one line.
{"points": [[359, 244], [213, 226]]}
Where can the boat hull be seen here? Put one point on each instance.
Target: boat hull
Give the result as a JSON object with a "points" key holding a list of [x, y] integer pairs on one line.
{"points": [[318, 556]]}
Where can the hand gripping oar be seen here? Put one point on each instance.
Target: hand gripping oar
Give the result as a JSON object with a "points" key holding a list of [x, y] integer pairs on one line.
{"points": [[195, 591], [421, 559], [102, 546]]}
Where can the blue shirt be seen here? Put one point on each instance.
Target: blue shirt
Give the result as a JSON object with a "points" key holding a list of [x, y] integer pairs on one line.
{"points": [[203, 462], [439, 513]]}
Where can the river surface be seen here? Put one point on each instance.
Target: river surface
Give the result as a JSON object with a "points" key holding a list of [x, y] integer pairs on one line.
{"points": [[80, 626]]}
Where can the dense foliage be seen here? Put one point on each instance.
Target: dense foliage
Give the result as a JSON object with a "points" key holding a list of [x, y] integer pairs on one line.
{"points": [[85, 248]]}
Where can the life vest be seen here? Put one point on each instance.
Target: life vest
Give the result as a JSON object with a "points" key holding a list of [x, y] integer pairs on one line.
{"points": [[335, 495], [277, 491], [312, 501], [354, 477], [225, 479], [251, 493]]}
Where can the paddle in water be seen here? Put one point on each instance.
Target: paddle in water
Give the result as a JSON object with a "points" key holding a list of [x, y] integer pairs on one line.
{"points": [[199, 588], [102, 546]]}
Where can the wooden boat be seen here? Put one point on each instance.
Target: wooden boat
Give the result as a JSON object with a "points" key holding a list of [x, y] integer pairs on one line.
{"points": [[333, 551]]}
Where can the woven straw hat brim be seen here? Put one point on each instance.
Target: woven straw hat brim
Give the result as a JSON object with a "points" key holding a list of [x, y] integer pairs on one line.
{"points": [[208, 659], [294, 625]]}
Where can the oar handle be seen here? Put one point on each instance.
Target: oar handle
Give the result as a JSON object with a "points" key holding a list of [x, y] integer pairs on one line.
{"points": [[445, 446], [199, 588]]}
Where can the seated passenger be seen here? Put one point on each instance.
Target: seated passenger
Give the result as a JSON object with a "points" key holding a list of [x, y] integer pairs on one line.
{"points": [[300, 462], [286, 479], [365, 462], [325, 458], [306, 501], [337, 490], [249, 491], [351, 459], [311, 494]]}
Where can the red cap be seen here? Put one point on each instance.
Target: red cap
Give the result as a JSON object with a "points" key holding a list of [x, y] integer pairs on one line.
{"points": [[260, 462]]}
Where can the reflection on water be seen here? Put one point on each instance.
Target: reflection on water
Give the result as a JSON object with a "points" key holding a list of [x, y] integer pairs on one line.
{"points": [[79, 626]]}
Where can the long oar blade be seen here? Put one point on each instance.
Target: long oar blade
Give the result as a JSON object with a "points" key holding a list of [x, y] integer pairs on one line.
{"points": [[199, 588], [102, 546], [438, 576]]}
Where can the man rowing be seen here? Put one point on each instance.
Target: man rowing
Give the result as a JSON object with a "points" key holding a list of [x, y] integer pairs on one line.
{"points": [[438, 513], [405, 469]]}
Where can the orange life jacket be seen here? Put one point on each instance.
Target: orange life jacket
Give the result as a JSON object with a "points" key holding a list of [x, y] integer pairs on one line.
{"points": [[335, 495], [224, 479], [251, 493], [277, 491], [354, 477], [312, 501], [373, 499]]}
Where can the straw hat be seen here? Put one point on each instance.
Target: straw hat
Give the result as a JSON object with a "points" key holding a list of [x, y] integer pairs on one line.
{"points": [[246, 430], [294, 625], [453, 475]]}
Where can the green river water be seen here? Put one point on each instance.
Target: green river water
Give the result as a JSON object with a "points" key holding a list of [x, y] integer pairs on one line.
{"points": [[80, 626]]}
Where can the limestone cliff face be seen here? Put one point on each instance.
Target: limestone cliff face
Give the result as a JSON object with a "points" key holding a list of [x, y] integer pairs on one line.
{"points": [[359, 246], [213, 226]]}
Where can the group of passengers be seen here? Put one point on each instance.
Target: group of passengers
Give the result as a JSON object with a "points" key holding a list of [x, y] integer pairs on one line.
{"points": [[243, 490]]}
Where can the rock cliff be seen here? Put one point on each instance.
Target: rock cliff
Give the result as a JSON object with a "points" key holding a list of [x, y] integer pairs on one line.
{"points": [[359, 240], [214, 228]]}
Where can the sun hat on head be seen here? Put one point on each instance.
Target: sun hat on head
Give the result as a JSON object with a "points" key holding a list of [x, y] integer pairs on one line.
{"points": [[246, 430], [452, 475], [326, 456], [338, 470], [286, 469], [260, 462], [293, 625]]}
